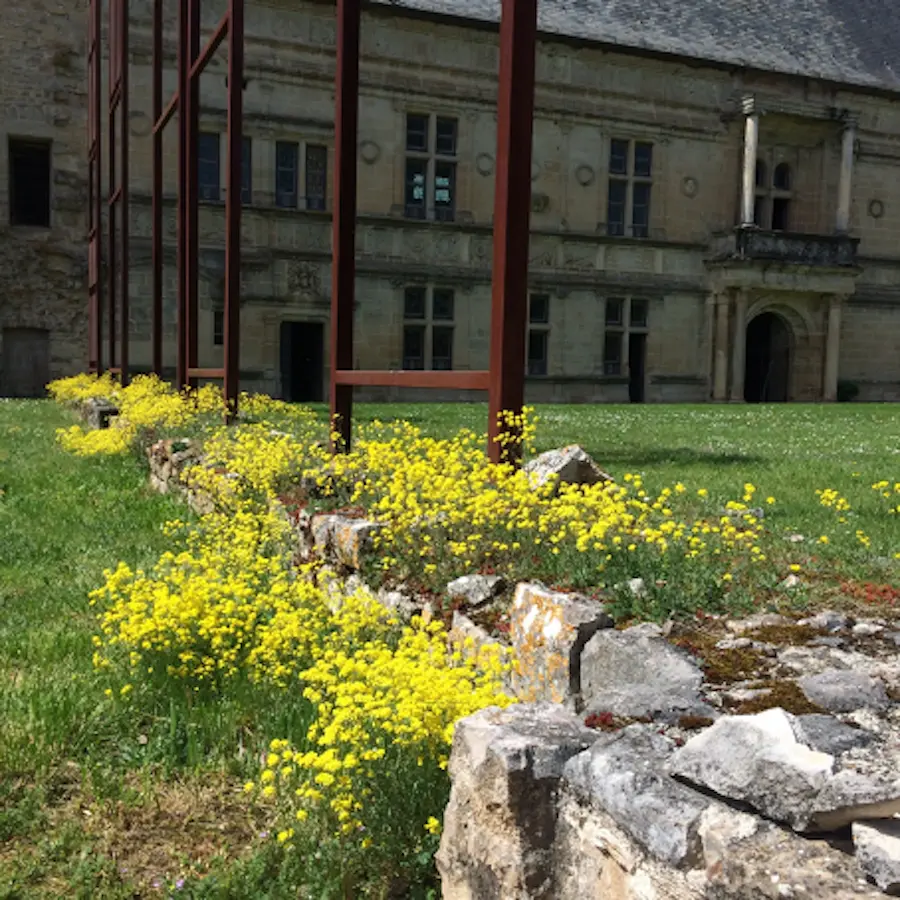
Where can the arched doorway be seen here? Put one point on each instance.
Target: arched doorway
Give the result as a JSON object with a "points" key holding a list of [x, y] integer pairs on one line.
{"points": [[768, 360]]}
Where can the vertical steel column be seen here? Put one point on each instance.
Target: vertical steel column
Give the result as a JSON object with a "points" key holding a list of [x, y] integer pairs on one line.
{"points": [[156, 314], [343, 250], [512, 209], [191, 107], [235, 129], [181, 366], [95, 189], [125, 318], [113, 40]]}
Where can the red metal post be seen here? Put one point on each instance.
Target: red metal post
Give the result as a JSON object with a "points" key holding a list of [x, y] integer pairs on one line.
{"points": [[125, 318], [156, 315], [95, 191], [512, 208], [191, 109], [343, 250], [181, 365], [235, 128], [113, 41]]}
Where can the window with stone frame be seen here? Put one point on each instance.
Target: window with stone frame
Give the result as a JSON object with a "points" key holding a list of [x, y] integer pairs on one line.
{"points": [[430, 167], [774, 193], [538, 334], [316, 176], [623, 316], [209, 165], [246, 170], [29, 167], [287, 174], [218, 327], [428, 328], [629, 188]]}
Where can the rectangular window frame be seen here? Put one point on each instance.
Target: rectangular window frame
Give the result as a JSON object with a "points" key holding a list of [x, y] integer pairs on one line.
{"points": [[629, 322], [209, 166], [430, 166], [429, 312], [315, 176], [287, 174], [218, 327], [538, 334], [629, 202], [38, 211], [246, 170]]}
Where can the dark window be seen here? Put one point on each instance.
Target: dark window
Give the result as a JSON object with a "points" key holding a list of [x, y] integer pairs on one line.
{"points": [[615, 212], [416, 173], [246, 170], [29, 183], [446, 137], [612, 353], [614, 307], [444, 190], [208, 165], [442, 348], [417, 133], [639, 313], [414, 303], [618, 157], [643, 159], [780, 209], [782, 179], [640, 210], [218, 327], [414, 347], [537, 352], [287, 162], [761, 174], [539, 309], [442, 305], [316, 176], [759, 212]]}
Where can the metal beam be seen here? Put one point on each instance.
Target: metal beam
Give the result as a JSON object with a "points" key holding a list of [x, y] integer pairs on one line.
{"points": [[343, 247], [512, 210], [156, 314], [462, 381]]}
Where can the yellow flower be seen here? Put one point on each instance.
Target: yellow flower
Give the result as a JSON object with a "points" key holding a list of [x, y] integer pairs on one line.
{"points": [[433, 825]]}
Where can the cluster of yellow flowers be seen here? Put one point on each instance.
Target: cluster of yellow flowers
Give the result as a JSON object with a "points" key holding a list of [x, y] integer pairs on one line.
{"points": [[146, 406], [891, 493]]}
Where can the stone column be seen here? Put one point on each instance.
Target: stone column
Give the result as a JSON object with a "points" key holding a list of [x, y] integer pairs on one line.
{"points": [[832, 348], [739, 347], [751, 146], [710, 343], [720, 375], [845, 186]]}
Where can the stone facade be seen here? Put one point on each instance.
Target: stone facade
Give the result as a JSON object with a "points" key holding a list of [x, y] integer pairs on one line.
{"points": [[678, 307], [43, 327]]}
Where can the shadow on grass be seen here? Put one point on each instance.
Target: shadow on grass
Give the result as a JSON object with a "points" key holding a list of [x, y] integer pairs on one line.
{"points": [[677, 456]]}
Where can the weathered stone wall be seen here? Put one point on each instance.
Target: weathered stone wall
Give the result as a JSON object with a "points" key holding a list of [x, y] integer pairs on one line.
{"points": [[43, 98]]}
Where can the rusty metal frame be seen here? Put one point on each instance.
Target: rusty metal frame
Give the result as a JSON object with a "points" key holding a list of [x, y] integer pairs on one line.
{"points": [[505, 379], [185, 101], [117, 200], [95, 188]]}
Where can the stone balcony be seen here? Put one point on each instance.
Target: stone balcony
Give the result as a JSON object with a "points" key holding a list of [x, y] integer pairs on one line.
{"points": [[750, 244]]}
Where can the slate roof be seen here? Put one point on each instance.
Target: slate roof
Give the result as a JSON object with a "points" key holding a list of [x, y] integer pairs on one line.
{"points": [[855, 42]]}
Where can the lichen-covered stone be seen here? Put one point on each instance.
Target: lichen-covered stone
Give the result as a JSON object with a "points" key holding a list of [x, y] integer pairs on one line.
{"points": [[475, 590], [878, 853], [566, 465], [548, 631]]}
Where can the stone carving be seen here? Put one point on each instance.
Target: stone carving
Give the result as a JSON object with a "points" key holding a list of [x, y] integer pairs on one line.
{"points": [[369, 151], [689, 187], [484, 164], [304, 279], [584, 175], [539, 202], [876, 209]]}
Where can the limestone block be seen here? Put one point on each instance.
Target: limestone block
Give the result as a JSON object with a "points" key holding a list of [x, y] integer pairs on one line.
{"points": [[878, 853], [500, 823], [567, 465], [476, 590], [548, 631]]}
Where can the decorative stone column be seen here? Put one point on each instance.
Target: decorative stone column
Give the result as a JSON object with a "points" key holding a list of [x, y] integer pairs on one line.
{"points": [[710, 343], [832, 348], [739, 347], [751, 147], [720, 375], [845, 185]]}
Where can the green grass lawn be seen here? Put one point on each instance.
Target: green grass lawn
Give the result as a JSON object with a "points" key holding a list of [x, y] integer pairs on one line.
{"points": [[100, 798]]}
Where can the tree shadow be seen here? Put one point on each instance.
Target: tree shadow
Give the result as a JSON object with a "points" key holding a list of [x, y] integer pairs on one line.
{"points": [[676, 456]]}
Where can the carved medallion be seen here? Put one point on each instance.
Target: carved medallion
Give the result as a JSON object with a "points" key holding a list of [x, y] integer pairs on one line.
{"points": [[484, 164], [369, 151], [689, 187], [876, 209], [584, 175]]}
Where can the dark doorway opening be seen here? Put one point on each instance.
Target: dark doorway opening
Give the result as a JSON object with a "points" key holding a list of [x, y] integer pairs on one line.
{"points": [[637, 366], [29, 183], [768, 369], [24, 362], [302, 358]]}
